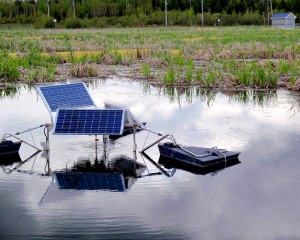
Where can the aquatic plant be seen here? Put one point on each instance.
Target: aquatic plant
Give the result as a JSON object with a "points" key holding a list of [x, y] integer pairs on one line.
{"points": [[83, 70], [210, 79], [41, 75], [9, 69], [145, 70], [199, 75], [8, 91], [169, 77], [189, 76]]}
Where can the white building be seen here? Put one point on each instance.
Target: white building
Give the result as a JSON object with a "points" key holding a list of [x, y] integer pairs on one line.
{"points": [[283, 20]]}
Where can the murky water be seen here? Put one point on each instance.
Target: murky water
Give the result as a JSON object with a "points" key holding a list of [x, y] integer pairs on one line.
{"points": [[256, 199]]}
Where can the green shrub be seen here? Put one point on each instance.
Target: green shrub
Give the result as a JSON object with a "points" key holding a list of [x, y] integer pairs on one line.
{"points": [[156, 18], [44, 22], [73, 23]]}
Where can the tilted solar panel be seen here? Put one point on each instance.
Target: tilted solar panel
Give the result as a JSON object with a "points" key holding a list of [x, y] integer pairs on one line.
{"points": [[72, 95], [91, 181], [89, 122]]}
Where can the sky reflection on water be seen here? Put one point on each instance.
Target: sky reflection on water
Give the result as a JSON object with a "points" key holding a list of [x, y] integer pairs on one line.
{"points": [[257, 199]]}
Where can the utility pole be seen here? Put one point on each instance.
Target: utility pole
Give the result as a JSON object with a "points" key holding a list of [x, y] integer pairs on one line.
{"points": [[73, 3], [202, 19], [268, 13], [166, 12], [48, 7], [271, 8]]}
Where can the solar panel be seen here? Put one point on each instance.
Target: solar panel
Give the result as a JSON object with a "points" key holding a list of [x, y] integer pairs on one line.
{"points": [[91, 181], [72, 95], [89, 122]]}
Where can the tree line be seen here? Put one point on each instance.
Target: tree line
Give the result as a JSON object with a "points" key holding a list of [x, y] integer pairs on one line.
{"points": [[148, 12]]}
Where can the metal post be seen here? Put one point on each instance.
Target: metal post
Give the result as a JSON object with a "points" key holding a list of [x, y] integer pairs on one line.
{"points": [[49, 127], [105, 148], [48, 172], [96, 147], [134, 143]]}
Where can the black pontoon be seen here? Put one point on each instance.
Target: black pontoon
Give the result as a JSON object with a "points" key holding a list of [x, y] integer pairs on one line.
{"points": [[170, 163], [9, 147], [198, 156], [10, 159]]}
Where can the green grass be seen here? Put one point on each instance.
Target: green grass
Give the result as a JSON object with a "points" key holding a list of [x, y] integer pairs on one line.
{"points": [[9, 69], [145, 70], [208, 57]]}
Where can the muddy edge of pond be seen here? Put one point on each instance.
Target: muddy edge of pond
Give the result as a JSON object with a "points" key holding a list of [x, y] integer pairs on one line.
{"points": [[132, 72]]}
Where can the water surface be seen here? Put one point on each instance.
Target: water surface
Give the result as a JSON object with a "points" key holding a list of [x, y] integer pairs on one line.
{"points": [[256, 199]]}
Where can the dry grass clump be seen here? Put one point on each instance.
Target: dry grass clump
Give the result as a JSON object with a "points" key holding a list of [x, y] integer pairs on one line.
{"points": [[296, 86], [80, 70], [116, 59], [287, 54], [225, 54]]}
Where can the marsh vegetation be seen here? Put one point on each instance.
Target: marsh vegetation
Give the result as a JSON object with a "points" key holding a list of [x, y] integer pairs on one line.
{"points": [[220, 57]]}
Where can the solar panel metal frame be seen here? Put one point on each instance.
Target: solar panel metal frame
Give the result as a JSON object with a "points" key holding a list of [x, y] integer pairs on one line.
{"points": [[90, 124], [60, 91]]}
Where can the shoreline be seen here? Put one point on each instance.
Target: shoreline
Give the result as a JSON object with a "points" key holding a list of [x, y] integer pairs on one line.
{"points": [[131, 72]]}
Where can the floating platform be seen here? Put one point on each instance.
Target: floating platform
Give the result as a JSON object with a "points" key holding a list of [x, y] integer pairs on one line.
{"points": [[170, 163], [196, 156], [9, 147]]}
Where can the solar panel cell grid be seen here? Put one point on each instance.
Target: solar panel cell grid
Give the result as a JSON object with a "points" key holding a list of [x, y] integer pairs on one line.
{"points": [[65, 95], [89, 122], [90, 181]]}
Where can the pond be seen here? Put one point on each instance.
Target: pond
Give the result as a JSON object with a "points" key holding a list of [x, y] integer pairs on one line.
{"points": [[255, 199]]}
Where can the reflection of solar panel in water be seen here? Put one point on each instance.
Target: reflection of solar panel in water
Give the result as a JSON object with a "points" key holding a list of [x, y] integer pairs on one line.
{"points": [[65, 95], [89, 122], [91, 181]]}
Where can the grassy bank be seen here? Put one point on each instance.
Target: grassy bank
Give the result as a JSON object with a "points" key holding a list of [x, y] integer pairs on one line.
{"points": [[219, 57]]}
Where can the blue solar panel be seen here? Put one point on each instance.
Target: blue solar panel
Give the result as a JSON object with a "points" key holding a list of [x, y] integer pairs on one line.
{"points": [[91, 181], [65, 95], [89, 122]]}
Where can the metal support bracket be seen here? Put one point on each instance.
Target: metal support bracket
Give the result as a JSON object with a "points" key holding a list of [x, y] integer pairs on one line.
{"points": [[8, 135], [158, 140]]}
